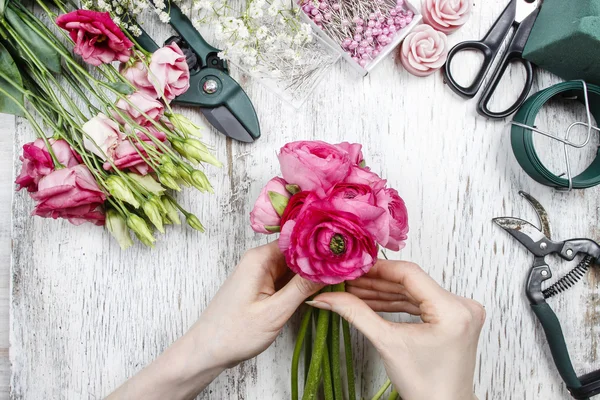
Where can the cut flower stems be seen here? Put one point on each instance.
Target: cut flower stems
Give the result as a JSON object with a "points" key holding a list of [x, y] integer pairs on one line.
{"points": [[116, 148]]}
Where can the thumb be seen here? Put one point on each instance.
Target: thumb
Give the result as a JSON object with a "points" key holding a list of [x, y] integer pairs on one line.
{"points": [[294, 293], [353, 310]]}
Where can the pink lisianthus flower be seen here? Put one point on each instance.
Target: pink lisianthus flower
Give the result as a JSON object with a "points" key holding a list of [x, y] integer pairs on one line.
{"points": [[101, 135], [137, 75], [71, 193], [38, 163], [169, 72], [314, 165], [396, 218], [126, 155], [140, 103], [98, 40], [327, 245], [264, 214]]}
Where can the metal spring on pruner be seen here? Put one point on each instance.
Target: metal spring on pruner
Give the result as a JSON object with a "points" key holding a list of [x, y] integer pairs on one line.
{"points": [[571, 278]]}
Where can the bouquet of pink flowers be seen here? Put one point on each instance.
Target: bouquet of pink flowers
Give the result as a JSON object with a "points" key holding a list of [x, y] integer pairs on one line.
{"points": [[117, 147], [332, 212]]}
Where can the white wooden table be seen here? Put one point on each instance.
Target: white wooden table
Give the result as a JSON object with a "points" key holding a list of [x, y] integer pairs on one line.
{"points": [[85, 316]]}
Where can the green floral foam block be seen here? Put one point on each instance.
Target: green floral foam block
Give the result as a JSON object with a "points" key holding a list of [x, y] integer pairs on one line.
{"points": [[565, 39]]}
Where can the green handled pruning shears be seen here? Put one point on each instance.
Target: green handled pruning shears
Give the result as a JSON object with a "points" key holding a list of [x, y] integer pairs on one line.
{"points": [[220, 98], [540, 244]]}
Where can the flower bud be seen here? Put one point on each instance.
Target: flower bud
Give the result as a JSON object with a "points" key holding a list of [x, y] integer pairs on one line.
{"points": [[141, 230], [185, 176], [200, 181], [119, 189], [172, 212], [184, 125], [169, 168], [194, 222], [198, 151], [179, 147], [169, 181], [117, 226], [154, 215], [148, 183]]}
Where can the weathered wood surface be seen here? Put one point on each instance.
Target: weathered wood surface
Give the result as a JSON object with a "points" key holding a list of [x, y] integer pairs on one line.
{"points": [[85, 316]]}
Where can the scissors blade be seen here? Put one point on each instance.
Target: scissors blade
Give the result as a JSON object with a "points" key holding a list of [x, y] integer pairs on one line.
{"points": [[226, 123], [529, 236], [541, 213], [525, 8]]}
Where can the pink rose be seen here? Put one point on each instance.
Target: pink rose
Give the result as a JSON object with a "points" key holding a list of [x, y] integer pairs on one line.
{"points": [[446, 15], [37, 162], [137, 75], [327, 245], [153, 108], [98, 40], [125, 155], [313, 165], [396, 216], [360, 200], [363, 176], [354, 150], [424, 50], [101, 135], [296, 205], [169, 72], [264, 214], [71, 193]]}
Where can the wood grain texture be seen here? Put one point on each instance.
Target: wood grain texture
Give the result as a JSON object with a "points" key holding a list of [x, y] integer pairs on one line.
{"points": [[86, 316]]}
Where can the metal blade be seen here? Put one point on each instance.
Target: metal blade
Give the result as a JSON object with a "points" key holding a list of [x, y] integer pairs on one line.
{"points": [[527, 234], [541, 213], [226, 123]]}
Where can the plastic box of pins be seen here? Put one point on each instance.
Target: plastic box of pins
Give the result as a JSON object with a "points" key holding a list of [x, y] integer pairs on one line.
{"points": [[363, 32]]}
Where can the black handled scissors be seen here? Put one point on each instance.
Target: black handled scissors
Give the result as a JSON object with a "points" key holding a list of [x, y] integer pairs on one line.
{"points": [[520, 14], [540, 244]]}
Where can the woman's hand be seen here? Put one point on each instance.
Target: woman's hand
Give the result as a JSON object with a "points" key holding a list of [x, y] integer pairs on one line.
{"points": [[432, 360], [241, 321]]}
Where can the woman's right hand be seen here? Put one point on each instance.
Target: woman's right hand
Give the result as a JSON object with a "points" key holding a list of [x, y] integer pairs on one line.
{"points": [[430, 360]]}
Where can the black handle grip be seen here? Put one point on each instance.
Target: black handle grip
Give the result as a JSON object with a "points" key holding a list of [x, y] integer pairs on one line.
{"points": [[556, 341]]}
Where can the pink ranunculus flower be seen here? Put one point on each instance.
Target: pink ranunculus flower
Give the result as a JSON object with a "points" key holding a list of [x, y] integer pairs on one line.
{"points": [[71, 193], [424, 51], [354, 150], [361, 200], [169, 72], [137, 75], [364, 176], [38, 163], [313, 165], [396, 218], [296, 205], [125, 155], [98, 40], [144, 103], [446, 15], [264, 214], [101, 135], [327, 245]]}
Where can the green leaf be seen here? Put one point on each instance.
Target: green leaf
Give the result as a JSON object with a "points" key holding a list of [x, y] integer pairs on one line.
{"points": [[3, 4], [9, 68], [44, 51], [120, 87], [273, 229], [293, 189], [278, 201]]}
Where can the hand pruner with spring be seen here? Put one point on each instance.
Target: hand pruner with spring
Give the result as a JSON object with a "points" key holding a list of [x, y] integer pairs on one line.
{"points": [[540, 243]]}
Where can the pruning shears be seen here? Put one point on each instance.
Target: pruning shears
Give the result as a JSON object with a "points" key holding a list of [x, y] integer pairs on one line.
{"points": [[220, 98], [540, 243]]}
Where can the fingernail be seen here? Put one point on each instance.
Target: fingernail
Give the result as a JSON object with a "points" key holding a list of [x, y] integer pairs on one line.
{"points": [[319, 304]]}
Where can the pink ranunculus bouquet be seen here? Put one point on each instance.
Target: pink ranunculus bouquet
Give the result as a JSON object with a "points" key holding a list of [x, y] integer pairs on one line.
{"points": [[333, 213], [331, 210]]}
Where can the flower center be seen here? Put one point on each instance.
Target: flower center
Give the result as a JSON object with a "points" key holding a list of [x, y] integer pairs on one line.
{"points": [[101, 38], [337, 245]]}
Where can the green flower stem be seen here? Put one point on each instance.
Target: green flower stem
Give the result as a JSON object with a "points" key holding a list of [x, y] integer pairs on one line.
{"points": [[308, 341], [314, 378], [349, 360], [327, 384], [181, 209], [382, 390], [394, 395], [336, 368], [305, 326]]}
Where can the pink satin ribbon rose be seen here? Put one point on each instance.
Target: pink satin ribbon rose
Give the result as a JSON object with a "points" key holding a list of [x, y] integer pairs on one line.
{"points": [[446, 15], [38, 163], [98, 40], [71, 193], [264, 214], [424, 51]]}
